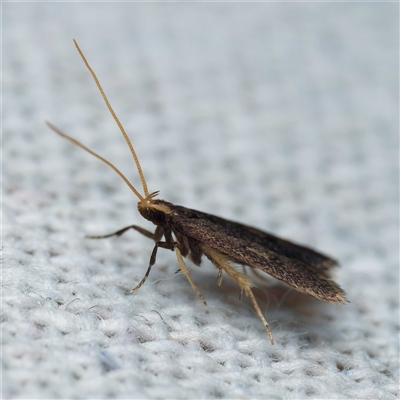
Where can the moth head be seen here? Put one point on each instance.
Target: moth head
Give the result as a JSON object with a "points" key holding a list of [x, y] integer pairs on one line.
{"points": [[156, 211]]}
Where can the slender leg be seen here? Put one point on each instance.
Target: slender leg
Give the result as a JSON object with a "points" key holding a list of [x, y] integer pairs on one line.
{"points": [[222, 262], [123, 230], [157, 235], [185, 271], [250, 294], [164, 245], [219, 278]]}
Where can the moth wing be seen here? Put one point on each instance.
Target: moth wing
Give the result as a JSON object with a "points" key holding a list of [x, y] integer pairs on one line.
{"points": [[304, 269], [292, 250]]}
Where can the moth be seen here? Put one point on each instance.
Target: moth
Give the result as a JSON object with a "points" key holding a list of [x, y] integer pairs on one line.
{"points": [[227, 244]]}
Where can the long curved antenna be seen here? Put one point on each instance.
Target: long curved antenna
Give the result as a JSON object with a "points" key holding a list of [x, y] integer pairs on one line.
{"points": [[144, 184], [82, 146]]}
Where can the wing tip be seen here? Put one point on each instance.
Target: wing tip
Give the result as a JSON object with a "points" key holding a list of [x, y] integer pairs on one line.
{"points": [[335, 294]]}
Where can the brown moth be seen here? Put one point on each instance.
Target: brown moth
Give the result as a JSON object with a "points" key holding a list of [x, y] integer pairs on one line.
{"points": [[192, 234]]}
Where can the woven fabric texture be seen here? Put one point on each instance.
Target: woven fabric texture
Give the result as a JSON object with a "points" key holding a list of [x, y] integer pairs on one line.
{"points": [[282, 116]]}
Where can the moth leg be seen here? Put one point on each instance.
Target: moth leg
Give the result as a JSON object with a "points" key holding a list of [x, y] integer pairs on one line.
{"points": [[143, 231], [222, 262], [185, 272], [164, 245], [250, 294], [219, 277]]}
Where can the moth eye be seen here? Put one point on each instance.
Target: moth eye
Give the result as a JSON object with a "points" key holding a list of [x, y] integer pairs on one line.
{"points": [[158, 217]]}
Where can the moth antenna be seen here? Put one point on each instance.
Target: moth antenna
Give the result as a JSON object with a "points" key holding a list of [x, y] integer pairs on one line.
{"points": [[121, 128], [82, 146]]}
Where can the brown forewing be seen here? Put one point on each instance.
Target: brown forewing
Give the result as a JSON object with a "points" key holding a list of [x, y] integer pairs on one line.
{"points": [[300, 267]]}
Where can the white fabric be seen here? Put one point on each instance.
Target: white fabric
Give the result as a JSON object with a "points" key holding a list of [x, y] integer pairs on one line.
{"points": [[279, 115]]}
